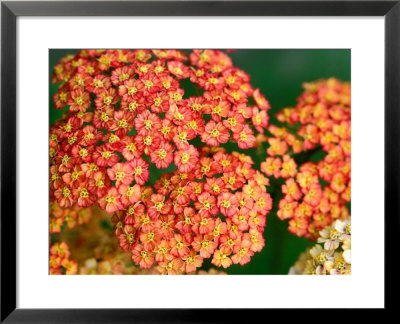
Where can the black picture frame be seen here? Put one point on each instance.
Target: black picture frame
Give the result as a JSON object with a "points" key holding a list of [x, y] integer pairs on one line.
{"points": [[10, 10]]}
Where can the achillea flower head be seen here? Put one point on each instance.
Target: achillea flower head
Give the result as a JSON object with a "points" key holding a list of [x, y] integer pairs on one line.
{"points": [[126, 109], [126, 113], [331, 258], [315, 194]]}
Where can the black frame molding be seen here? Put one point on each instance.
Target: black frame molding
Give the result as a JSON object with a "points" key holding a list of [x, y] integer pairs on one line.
{"points": [[10, 10]]}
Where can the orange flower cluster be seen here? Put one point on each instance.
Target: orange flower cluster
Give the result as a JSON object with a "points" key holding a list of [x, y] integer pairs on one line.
{"points": [[217, 211], [71, 216], [59, 260], [315, 194], [126, 110]]}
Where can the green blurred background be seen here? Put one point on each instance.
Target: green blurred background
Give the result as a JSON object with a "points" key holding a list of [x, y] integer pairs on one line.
{"points": [[279, 74]]}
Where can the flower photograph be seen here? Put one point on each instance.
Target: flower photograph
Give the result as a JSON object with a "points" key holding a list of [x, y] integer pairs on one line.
{"points": [[199, 161]]}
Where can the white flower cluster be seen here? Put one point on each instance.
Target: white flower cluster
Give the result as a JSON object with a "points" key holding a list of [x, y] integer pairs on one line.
{"points": [[331, 258]]}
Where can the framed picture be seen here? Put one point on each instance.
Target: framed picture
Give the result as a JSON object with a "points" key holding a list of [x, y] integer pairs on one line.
{"points": [[212, 140]]}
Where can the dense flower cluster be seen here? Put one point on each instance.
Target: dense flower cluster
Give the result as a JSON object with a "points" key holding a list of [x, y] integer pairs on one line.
{"points": [[70, 216], [315, 194], [132, 103], [126, 110], [59, 260], [216, 211], [331, 258]]}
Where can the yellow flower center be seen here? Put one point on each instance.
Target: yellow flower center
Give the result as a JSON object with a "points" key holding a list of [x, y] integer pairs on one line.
{"points": [[192, 124], [261, 202], [99, 183], [104, 117], [150, 236], [196, 107], [165, 130], [206, 205], [79, 81], [185, 157], [230, 79], [178, 116], [177, 96], [79, 101], [145, 219], [119, 175], [107, 100], [334, 234], [166, 84], [123, 77], [65, 159], [143, 69], [75, 175], [205, 244], [93, 167], [226, 204], [72, 140], [83, 152], [110, 199], [162, 154], [66, 192], [242, 252], [216, 109], [133, 106], [147, 124], [158, 69], [106, 154], [97, 83], [190, 260], [159, 205], [63, 96], [340, 263], [113, 138], [83, 193], [67, 127], [148, 84], [320, 258], [88, 136], [212, 80], [177, 70], [131, 147], [215, 132], [138, 170], [123, 123], [157, 101]]}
